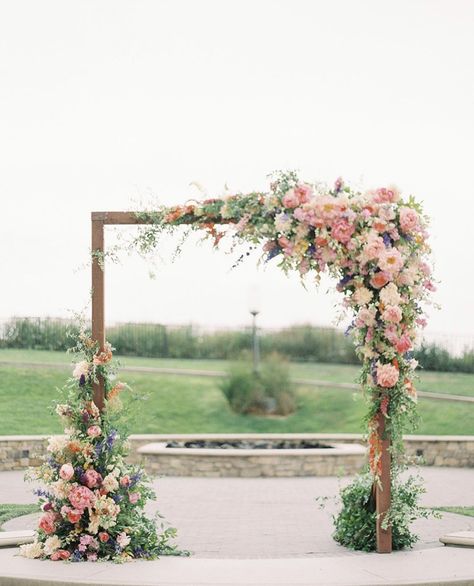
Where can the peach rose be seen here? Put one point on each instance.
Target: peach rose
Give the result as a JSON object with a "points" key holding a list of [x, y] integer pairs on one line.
{"points": [[380, 279], [387, 375], [94, 431]]}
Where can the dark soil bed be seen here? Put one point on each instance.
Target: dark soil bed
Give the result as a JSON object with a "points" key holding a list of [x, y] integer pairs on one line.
{"points": [[248, 445]]}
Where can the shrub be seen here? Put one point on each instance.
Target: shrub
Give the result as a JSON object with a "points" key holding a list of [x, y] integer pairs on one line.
{"points": [[356, 523], [266, 392]]}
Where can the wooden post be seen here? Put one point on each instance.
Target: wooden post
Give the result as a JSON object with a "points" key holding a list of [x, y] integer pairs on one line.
{"points": [[383, 491], [98, 305]]}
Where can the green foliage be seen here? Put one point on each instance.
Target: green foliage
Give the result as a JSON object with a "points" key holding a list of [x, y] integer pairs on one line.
{"points": [[356, 522], [268, 391]]}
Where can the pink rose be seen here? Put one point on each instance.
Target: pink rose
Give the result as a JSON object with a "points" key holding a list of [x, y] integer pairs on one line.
{"points": [[342, 230], [409, 220], [48, 522], [125, 480], [81, 498], [392, 314], [134, 497], [92, 478], [94, 431], [366, 317], [104, 536], [387, 375], [66, 472]]}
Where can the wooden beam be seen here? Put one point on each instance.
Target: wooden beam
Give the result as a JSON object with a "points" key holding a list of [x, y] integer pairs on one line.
{"points": [[383, 491], [118, 218], [98, 300]]}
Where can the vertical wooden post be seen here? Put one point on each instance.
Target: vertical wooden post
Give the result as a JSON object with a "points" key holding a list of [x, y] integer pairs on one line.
{"points": [[383, 492], [98, 304]]}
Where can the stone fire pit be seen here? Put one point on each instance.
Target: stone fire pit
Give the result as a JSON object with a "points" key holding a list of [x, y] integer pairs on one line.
{"points": [[249, 455]]}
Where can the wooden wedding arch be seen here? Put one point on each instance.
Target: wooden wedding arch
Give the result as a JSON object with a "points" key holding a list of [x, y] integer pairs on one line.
{"points": [[382, 489]]}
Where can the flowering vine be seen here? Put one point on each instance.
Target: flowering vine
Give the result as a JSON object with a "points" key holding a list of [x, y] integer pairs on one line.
{"points": [[375, 244]]}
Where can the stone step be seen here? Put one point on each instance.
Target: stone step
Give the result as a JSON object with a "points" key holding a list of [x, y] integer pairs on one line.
{"points": [[459, 539], [14, 538]]}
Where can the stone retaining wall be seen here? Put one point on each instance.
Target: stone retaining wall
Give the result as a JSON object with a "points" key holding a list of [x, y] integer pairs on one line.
{"points": [[19, 452]]}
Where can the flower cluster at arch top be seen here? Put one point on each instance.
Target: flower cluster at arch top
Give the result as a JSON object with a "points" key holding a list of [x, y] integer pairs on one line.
{"points": [[93, 501], [373, 243]]}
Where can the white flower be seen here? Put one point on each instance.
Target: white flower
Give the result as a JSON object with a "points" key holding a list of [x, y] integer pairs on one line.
{"points": [[389, 295], [32, 550], [81, 368], [123, 540], [413, 363], [283, 223], [63, 410], [362, 296], [110, 483], [52, 544], [61, 488], [56, 443]]}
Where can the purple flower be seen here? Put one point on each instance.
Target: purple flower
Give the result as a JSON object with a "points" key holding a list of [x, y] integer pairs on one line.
{"points": [[82, 380], [387, 240], [273, 252]]}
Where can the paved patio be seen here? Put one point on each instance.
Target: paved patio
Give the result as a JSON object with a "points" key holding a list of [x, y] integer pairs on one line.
{"points": [[261, 531]]}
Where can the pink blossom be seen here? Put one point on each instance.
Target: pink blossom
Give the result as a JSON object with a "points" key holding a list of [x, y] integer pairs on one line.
{"points": [[403, 344], [390, 260], [421, 322], [291, 199], [391, 334], [60, 554], [81, 497], [94, 431], [74, 516], [92, 478], [386, 195], [392, 313], [409, 220], [134, 497], [304, 192], [286, 245], [373, 249], [366, 316], [91, 556], [125, 481], [48, 522], [387, 375], [342, 230], [66, 472]]}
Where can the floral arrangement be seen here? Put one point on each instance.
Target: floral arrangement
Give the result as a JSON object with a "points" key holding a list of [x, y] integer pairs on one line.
{"points": [[93, 502], [374, 244]]}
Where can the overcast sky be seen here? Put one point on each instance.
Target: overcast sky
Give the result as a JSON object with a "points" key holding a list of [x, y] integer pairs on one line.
{"points": [[105, 103]]}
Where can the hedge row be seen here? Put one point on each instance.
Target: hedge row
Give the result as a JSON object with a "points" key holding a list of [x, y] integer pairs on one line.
{"points": [[299, 343]]}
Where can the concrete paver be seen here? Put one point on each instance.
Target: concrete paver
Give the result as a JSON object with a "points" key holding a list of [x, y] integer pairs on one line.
{"points": [[255, 518]]}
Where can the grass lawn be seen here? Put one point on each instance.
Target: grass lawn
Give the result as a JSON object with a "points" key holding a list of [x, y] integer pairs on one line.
{"points": [[439, 382], [468, 511], [182, 404], [8, 512]]}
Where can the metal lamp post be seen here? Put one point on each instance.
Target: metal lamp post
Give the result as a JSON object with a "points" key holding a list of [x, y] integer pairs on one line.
{"points": [[254, 308]]}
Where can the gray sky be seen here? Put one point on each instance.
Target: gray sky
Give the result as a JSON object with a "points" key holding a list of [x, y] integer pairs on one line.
{"points": [[107, 102]]}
